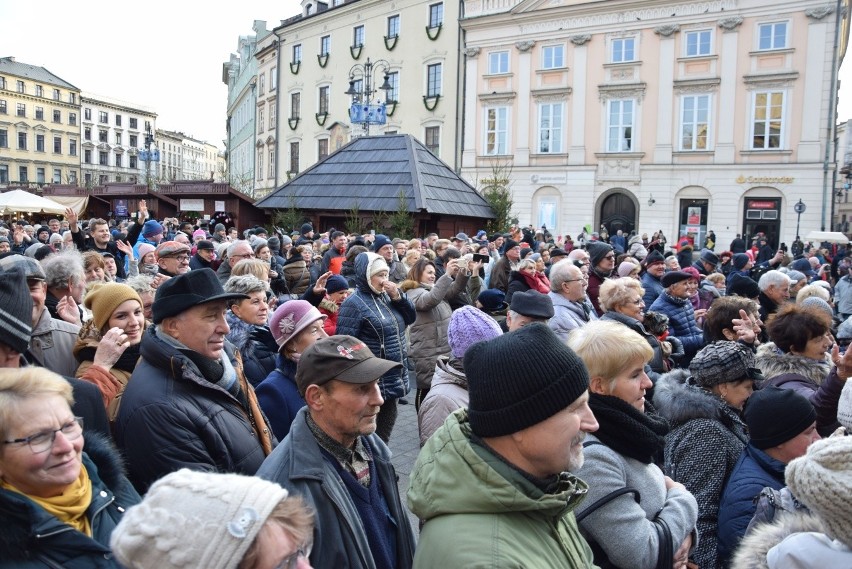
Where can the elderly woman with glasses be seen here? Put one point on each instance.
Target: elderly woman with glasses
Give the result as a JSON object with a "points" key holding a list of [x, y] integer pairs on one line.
{"points": [[675, 302], [59, 504]]}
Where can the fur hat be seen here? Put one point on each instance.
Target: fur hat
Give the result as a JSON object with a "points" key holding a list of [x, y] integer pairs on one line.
{"points": [[763, 409], [513, 387], [469, 325], [822, 480], [195, 519], [721, 362]]}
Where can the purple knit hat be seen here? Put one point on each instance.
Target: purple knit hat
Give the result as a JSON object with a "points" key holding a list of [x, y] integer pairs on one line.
{"points": [[469, 325]]}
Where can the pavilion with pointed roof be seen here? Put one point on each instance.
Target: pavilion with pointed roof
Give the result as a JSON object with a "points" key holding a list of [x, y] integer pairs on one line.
{"points": [[369, 173]]}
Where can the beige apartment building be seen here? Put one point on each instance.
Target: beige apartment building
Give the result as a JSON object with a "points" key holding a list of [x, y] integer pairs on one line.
{"points": [[654, 115], [39, 126], [322, 52]]}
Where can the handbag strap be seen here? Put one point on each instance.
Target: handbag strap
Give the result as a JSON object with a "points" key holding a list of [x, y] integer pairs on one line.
{"points": [[666, 546], [600, 502]]}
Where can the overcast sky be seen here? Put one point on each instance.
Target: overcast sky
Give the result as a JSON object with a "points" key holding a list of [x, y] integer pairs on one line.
{"points": [[164, 55]]}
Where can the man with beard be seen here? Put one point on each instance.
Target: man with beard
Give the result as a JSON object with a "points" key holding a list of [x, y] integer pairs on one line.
{"points": [[335, 461], [509, 455]]}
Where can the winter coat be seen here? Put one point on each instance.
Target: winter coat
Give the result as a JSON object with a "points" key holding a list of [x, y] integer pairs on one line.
{"points": [[518, 282], [820, 383], [297, 277], [702, 448], [448, 393], [623, 528], [754, 471], [197, 263], [809, 551], [256, 346], [31, 538], [380, 323], [505, 520], [499, 278], [682, 324], [171, 417], [301, 467], [223, 273], [52, 344], [635, 248], [593, 290], [428, 333], [684, 259], [754, 548], [653, 288], [111, 383], [331, 310], [279, 398], [567, 315]]}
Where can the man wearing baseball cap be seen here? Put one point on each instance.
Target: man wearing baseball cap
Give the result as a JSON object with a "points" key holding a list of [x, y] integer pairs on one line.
{"points": [[188, 403], [335, 461]]}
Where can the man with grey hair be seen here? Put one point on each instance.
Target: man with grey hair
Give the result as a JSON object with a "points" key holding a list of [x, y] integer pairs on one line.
{"points": [[527, 307], [568, 293], [188, 403], [774, 292], [237, 251], [65, 278]]}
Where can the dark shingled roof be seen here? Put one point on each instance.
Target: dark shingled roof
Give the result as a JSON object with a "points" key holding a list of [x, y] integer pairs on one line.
{"points": [[371, 171], [8, 65]]}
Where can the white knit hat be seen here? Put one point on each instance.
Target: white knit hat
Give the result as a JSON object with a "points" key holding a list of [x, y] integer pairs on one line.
{"points": [[822, 480], [195, 519], [844, 407]]}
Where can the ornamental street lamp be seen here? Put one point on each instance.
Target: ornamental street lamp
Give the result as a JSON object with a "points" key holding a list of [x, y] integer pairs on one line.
{"points": [[799, 208], [147, 156], [363, 110]]}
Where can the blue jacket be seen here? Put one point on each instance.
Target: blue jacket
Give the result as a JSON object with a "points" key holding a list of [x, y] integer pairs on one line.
{"points": [[279, 397], [256, 346], [380, 323], [653, 288], [32, 538], [682, 324], [754, 471], [298, 464]]}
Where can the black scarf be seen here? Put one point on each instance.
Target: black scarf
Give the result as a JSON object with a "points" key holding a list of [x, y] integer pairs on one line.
{"points": [[628, 431], [127, 361]]}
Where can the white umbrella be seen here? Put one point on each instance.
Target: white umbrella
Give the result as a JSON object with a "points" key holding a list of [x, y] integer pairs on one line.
{"points": [[15, 201], [830, 236]]}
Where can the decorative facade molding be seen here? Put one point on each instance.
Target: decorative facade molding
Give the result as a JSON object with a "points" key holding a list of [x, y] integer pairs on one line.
{"points": [[628, 91], [667, 30], [581, 39], [820, 12], [498, 98], [770, 80], [730, 24], [551, 95], [696, 86], [472, 51], [524, 45]]}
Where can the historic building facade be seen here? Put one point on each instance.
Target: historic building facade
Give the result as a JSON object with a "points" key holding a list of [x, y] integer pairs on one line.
{"points": [[683, 117]]}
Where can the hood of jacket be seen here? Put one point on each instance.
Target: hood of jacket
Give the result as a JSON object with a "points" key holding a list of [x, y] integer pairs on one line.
{"points": [[679, 401], [773, 362], [476, 487], [362, 261], [752, 550], [445, 374]]}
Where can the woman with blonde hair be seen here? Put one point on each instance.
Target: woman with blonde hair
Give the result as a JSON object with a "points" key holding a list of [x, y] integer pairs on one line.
{"points": [[627, 452]]}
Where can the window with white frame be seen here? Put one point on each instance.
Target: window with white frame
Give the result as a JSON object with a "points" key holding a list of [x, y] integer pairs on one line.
{"points": [[496, 131], [259, 163], [261, 84], [552, 56], [260, 121], [772, 35], [620, 117], [433, 80], [57, 176], [697, 43], [498, 62], [358, 36], [273, 79], [325, 45], [393, 26], [393, 81], [20, 85], [271, 173], [103, 117], [297, 53], [273, 116], [39, 91], [768, 124], [436, 15], [550, 127], [622, 49], [695, 122]]}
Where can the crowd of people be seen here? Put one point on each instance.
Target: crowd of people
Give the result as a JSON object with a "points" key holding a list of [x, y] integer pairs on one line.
{"points": [[181, 395]]}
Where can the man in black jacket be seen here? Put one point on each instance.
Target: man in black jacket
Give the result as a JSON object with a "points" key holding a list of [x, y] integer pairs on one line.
{"points": [[188, 403]]}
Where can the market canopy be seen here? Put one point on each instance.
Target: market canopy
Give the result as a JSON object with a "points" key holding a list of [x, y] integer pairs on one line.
{"points": [[829, 236], [21, 201]]}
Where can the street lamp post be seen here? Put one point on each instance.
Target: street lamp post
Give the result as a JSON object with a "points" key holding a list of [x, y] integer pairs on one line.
{"points": [[799, 208], [362, 110], [148, 156]]}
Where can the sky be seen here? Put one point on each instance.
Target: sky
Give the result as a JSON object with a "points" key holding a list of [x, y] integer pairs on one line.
{"points": [[158, 54], [163, 55]]}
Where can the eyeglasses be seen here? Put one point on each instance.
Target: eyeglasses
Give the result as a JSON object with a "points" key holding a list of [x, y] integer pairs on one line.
{"points": [[247, 255], [180, 258], [638, 302], [610, 257], [43, 441], [574, 280], [291, 560]]}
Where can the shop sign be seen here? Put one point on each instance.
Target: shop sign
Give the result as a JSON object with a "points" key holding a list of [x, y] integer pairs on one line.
{"points": [[765, 180], [754, 204], [191, 205]]}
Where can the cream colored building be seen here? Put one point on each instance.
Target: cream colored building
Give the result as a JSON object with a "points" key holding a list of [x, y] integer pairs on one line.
{"points": [[262, 154], [39, 126], [113, 133], [671, 115], [185, 158], [414, 42]]}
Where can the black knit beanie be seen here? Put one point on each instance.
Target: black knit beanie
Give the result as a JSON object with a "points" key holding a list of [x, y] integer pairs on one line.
{"points": [[597, 251], [16, 310], [764, 411], [519, 379]]}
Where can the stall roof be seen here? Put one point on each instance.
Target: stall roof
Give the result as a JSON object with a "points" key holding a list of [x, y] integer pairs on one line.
{"points": [[371, 171]]}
